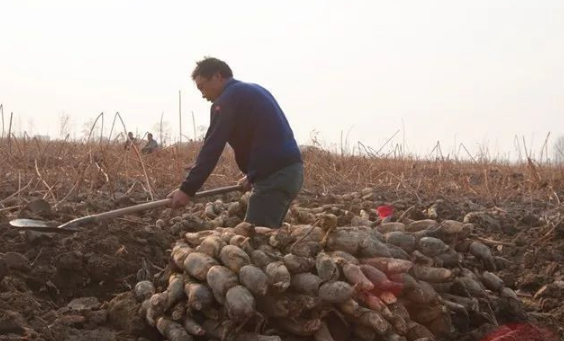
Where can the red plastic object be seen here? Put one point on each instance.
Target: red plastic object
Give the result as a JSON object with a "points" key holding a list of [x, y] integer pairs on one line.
{"points": [[385, 211], [520, 332]]}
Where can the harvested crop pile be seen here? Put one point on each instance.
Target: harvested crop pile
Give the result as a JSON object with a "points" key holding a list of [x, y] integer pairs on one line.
{"points": [[409, 280]]}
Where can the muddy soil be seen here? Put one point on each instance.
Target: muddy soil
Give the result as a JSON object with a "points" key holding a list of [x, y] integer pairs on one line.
{"points": [[57, 286], [78, 286]]}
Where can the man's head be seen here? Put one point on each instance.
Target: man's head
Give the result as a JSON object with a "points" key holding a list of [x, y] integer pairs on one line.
{"points": [[210, 76], [130, 134], [149, 136]]}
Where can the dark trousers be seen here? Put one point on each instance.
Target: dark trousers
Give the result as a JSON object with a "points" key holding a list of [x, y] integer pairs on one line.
{"points": [[271, 197]]}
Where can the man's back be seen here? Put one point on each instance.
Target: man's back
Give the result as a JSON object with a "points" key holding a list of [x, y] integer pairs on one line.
{"points": [[261, 135]]}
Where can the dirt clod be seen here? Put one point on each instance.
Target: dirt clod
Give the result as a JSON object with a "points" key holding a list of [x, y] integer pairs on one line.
{"points": [[123, 313], [16, 261]]}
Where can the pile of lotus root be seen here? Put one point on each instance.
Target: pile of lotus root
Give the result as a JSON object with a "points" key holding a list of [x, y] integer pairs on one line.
{"points": [[412, 280]]}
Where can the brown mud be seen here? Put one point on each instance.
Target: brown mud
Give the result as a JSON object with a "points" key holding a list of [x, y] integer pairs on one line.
{"points": [[78, 286]]}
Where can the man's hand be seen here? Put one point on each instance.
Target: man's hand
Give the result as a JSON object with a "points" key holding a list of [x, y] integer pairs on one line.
{"points": [[245, 183], [179, 198]]}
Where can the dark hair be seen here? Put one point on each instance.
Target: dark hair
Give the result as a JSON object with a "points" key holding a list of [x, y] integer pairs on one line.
{"points": [[149, 135], [209, 66]]}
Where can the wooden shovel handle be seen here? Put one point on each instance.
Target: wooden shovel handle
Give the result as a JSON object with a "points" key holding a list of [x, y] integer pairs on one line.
{"points": [[141, 207]]}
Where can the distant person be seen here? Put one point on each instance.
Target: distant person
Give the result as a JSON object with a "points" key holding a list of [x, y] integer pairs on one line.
{"points": [[130, 140], [151, 145], [246, 116]]}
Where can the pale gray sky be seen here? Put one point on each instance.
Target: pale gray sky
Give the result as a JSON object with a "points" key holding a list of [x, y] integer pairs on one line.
{"points": [[477, 72]]}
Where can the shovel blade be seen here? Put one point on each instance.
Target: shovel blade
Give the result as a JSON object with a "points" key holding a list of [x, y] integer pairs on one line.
{"points": [[38, 226], [24, 223]]}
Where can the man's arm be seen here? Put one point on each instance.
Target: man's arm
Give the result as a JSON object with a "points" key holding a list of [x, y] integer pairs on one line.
{"points": [[221, 125]]}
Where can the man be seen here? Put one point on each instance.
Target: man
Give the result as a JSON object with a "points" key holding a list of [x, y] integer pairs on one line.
{"points": [[247, 117], [130, 140], [151, 145]]}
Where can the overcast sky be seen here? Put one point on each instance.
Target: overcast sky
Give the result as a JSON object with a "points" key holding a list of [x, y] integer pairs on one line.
{"points": [[474, 72]]}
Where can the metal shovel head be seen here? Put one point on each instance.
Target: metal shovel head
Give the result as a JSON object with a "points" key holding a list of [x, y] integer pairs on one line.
{"points": [[29, 223], [36, 225]]}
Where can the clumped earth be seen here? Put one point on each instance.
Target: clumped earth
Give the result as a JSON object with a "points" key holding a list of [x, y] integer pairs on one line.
{"points": [[79, 286], [56, 286]]}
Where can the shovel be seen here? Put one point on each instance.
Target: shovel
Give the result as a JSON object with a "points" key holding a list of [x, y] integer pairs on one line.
{"points": [[72, 226]]}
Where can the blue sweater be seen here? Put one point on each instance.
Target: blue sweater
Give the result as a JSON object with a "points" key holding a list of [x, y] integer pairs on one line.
{"points": [[248, 118]]}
